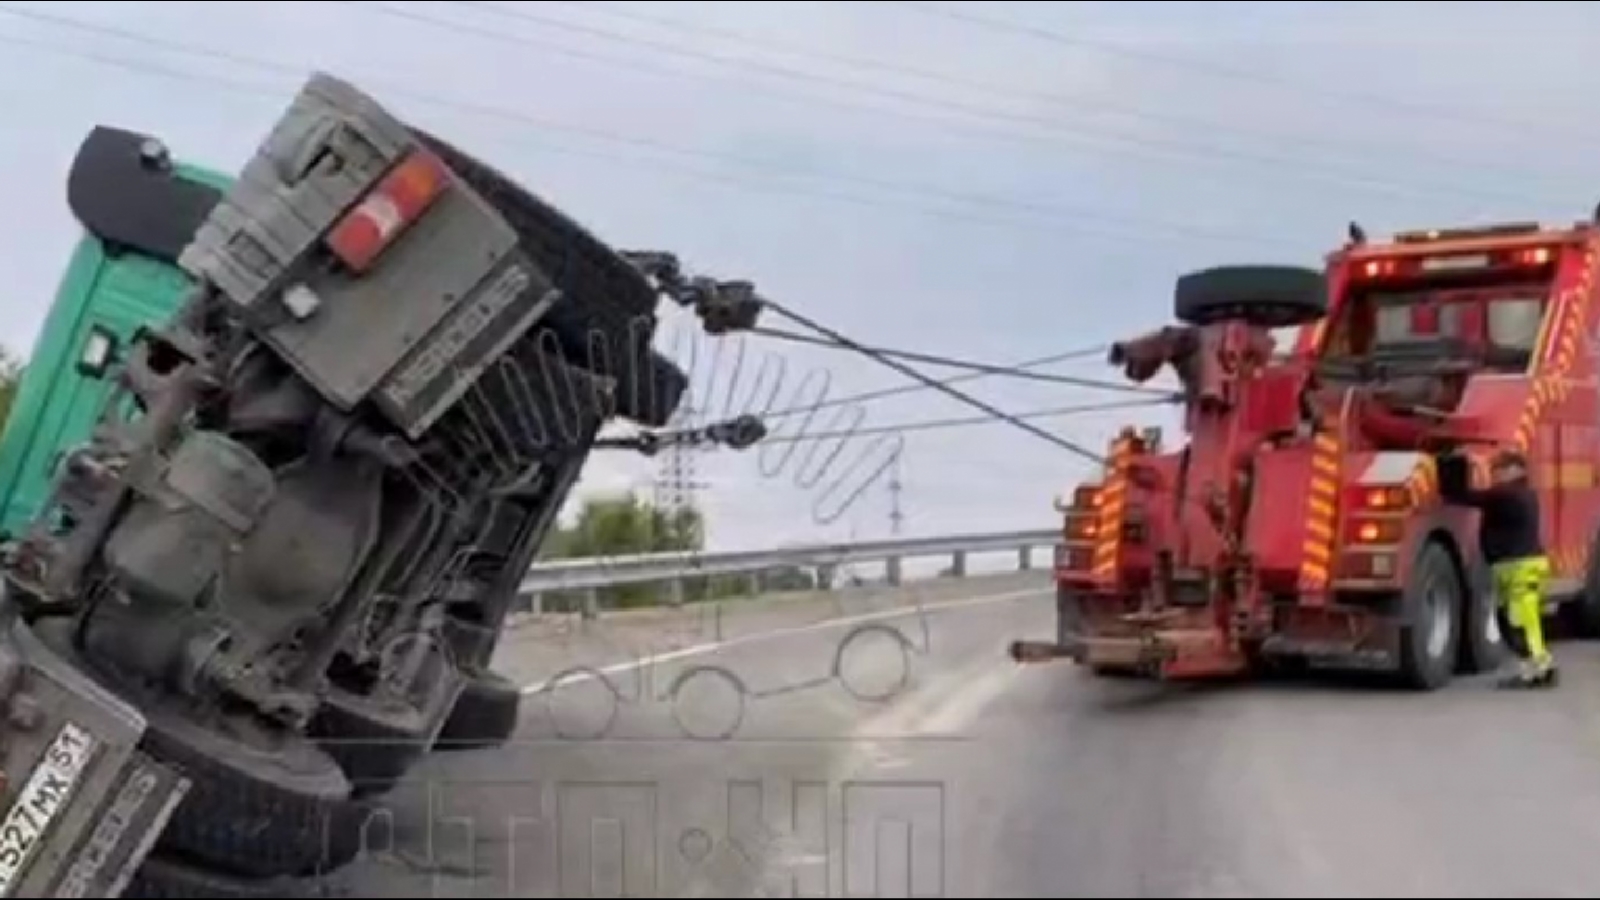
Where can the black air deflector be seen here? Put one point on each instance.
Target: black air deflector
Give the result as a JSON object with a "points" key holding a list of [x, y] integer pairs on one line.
{"points": [[134, 204]]}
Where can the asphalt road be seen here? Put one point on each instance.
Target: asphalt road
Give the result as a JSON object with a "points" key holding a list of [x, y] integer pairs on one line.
{"points": [[979, 778]]}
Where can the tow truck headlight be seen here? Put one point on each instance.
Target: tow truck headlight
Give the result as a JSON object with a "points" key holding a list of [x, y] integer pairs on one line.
{"points": [[1384, 499], [1082, 528], [1375, 532]]}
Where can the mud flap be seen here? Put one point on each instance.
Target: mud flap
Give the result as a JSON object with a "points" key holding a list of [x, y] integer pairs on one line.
{"points": [[83, 805]]}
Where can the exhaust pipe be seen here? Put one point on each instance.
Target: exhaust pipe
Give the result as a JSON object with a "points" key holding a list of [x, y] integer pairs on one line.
{"points": [[1024, 652]]}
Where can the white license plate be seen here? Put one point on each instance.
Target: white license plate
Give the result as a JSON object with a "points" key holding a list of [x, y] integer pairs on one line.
{"points": [[41, 800], [1452, 263]]}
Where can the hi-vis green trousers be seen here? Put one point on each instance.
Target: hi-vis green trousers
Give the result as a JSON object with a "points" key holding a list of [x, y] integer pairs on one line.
{"points": [[1520, 585]]}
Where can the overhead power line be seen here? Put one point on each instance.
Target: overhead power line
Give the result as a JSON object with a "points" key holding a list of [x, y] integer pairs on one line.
{"points": [[1017, 372], [1218, 70], [915, 388], [1054, 132], [941, 387], [1118, 105], [972, 421], [1075, 220]]}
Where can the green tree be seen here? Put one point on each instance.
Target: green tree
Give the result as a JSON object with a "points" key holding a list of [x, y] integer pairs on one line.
{"points": [[625, 525], [10, 377], [622, 526]]}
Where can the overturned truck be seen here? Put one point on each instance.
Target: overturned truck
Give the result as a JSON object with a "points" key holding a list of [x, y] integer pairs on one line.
{"points": [[273, 577]]}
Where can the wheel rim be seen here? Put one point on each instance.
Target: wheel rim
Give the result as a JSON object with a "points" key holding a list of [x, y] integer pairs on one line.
{"points": [[1439, 602]]}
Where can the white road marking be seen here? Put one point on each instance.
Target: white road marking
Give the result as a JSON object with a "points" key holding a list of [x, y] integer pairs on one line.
{"points": [[965, 706], [713, 647], [937, 710]]}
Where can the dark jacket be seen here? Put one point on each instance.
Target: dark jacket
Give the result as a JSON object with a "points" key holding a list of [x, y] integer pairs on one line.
{"points": [[1510, 527]]}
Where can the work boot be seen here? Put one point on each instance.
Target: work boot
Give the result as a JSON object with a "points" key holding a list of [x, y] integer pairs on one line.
{"points": [[1531, 673]]}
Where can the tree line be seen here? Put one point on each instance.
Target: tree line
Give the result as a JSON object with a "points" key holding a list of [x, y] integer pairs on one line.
{"points": [[10, 376], [625, 525]]}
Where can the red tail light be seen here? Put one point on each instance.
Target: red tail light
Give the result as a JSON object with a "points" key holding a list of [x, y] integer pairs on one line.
{"points": [[383, 215], [1536, 256], [1411, 267]]}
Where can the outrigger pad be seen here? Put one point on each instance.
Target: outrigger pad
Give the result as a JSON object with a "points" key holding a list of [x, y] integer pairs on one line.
{"points": [[1266, 296], [123, 190]]}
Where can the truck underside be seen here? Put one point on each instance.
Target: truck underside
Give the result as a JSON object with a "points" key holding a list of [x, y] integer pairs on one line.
{"points": [[272, 578]]}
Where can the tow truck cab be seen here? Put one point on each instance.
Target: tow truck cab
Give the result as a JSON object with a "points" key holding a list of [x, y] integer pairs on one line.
{"points": [[1478, 337], [1302, 518]]}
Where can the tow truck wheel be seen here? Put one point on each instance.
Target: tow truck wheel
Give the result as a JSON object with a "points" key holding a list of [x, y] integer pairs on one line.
{"points": [[1265, 296], [1431, 610], [1069, 615], [1483, 646], [1585, 608]]}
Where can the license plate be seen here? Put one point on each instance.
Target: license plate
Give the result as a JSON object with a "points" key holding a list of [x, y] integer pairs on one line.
{"points": [[1453, 263], [42, 799]]}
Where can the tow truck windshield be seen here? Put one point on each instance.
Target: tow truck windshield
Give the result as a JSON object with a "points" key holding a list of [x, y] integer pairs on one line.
{"points": [[1496, 326]]}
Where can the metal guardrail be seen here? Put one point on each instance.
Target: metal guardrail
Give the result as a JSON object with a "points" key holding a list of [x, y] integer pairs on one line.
{"points": [[674, 568]]}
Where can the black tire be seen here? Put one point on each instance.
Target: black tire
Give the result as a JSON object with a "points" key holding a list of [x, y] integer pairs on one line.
{"points": [[1431, 610], [1266, 296], [1583, 611], [261, 807], [1484, 646], [374, 750], [484, 716], [1069, 615], [161, 876], [254, 812]]}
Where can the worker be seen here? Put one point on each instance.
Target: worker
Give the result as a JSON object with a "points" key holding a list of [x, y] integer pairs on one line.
{"points": [[1512, 546]]}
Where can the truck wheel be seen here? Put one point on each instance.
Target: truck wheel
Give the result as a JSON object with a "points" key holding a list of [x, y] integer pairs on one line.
{"points": [[253, 810], [1265, 296], [162, 876], [1585, 608], [1430, 631], [1483, 647], [261, 803], [1069, 615], [375, 749], [484, 716]]}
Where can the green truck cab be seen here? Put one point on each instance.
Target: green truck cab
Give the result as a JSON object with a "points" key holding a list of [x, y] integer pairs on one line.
{"points": [[138, 209]]}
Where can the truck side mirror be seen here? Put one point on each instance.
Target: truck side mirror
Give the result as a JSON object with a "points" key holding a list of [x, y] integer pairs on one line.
{"points": [[99, 352]]}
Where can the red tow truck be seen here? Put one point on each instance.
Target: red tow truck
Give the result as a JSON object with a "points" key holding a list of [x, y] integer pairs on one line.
{"points": [[1301, 521]]}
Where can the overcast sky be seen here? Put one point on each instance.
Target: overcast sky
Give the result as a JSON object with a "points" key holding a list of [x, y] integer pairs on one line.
{"points": [[1005, 187]]}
